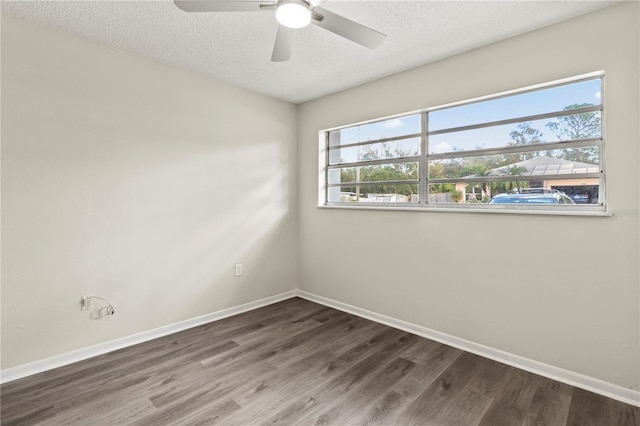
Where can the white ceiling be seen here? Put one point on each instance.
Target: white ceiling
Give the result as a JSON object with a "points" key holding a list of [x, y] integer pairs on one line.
{"points": [[236, 47]]}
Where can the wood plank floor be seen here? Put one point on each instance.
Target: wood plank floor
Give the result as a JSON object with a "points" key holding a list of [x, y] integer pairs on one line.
{"points": [[299, 363]]}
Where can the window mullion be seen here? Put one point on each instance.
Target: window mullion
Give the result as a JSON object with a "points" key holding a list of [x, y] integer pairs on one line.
{"points": [[576, 111], [382, 161], [326, 168], [503, 178], [423, 190], [516, 149], [373, 182], [374, 141]]}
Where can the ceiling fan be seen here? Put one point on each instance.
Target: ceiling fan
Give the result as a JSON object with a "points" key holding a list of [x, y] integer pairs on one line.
{"points": [[291, 15]]}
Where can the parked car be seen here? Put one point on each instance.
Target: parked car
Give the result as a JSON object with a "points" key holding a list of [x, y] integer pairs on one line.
{"points": [[533, 196], [580, 198]]}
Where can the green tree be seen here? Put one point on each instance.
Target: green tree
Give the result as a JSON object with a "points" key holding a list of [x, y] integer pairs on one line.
{"points": [[584, 125], [525, 134], [577, 126], [481, 169], [384, 172], [440, 170], [514, 185]]}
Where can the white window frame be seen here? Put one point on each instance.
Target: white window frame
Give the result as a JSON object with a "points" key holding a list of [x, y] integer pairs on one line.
{"points": [[424, 158]]}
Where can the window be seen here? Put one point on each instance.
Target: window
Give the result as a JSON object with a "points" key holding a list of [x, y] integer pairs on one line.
{"points": [[540, 148]]}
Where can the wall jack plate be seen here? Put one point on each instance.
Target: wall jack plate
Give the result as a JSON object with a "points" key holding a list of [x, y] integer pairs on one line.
{"points": [[86, 303]]}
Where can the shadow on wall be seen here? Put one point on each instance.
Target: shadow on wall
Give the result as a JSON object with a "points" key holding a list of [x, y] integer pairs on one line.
{"points": [[179, 227]]}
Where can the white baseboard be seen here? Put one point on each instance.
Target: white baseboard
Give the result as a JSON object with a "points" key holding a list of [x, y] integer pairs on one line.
{"points": [[628, 396], [35, 367], [591, 384]]}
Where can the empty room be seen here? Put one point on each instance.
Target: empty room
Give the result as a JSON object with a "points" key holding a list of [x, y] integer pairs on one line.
{"points": [[302, 212]]}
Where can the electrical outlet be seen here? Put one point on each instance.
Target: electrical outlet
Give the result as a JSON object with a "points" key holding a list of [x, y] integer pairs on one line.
{"points": [[238, 270], [86, 303]]}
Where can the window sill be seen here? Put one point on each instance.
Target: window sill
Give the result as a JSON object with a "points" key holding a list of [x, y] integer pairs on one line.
{"points": [[597, 212]]}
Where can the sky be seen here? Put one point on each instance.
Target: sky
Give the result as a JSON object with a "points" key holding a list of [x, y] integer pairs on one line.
{"points": [[531, 103]]}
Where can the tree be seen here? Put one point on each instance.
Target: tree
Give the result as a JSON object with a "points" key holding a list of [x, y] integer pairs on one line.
{"points": [[385, 172], [479, 169], [583, 125], [525, 134], [512, 185], [440, 170], [456, 195]]}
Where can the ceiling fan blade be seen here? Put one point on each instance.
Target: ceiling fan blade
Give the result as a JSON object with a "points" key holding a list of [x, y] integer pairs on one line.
{"points": [[284, 44], [224, 5], [347, 28]]}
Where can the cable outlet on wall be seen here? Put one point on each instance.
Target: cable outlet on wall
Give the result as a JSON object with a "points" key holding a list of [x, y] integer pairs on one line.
{"points": [[86, 302], [238, 269]]}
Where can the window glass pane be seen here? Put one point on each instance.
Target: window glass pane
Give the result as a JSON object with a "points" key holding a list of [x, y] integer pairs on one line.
{"points": [[578, 190], [394, 127], [377, 151], [586, 125], [445, 193], [566, 191], [378, 173], [559, 162], [536, 102], [378, 194]]}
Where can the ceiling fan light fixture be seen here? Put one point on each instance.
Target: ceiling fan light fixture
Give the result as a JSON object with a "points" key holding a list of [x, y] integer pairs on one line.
{"points": [[293, 13]]}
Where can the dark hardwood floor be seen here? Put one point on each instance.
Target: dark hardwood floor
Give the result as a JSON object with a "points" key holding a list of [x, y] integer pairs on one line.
{"points": [[299, 363]]}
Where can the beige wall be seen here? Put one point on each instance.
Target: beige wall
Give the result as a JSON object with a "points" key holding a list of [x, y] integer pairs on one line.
{"points": [[556, 289], [136, 182]]}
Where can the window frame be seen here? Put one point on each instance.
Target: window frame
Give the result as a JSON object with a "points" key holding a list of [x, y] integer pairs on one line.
{"points": [[424, 158]]}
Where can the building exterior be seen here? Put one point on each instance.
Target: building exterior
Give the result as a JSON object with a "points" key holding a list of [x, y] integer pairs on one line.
{"points": [[555, 173]]}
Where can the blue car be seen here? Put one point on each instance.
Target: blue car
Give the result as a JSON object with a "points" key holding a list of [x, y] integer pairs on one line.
{"points": [[533, 197]]}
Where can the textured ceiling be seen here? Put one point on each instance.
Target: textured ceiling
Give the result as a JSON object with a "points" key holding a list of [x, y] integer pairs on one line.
{"points": [[236, 47]]}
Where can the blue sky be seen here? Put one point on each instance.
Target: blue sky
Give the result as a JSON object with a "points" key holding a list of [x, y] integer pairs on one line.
{"points": [[536, 102]]}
